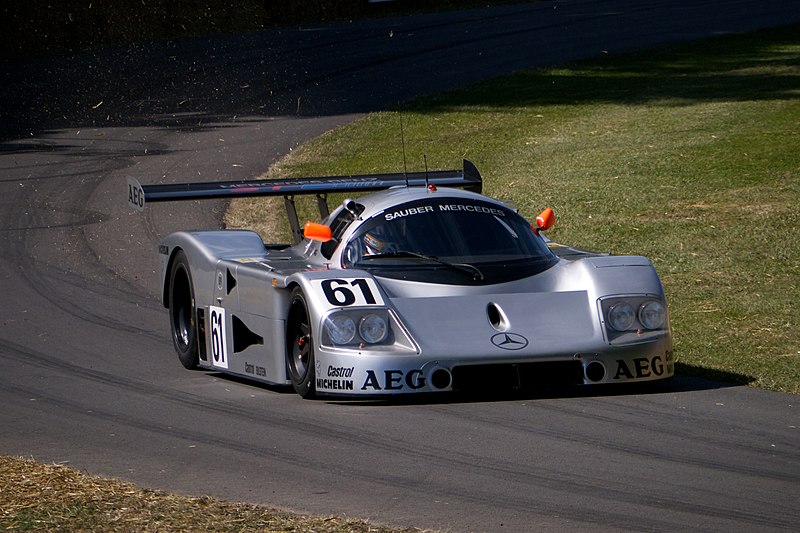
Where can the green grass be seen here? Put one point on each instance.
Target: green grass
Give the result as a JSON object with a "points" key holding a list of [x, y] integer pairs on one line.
{"points": [[689, 155]]}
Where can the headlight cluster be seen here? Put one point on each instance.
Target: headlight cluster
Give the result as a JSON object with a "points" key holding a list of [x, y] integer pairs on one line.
{"points": [[354, 328], [633, 318]]}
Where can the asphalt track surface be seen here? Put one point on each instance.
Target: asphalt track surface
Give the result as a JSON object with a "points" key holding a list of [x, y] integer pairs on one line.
{"points": [[89, 377]]}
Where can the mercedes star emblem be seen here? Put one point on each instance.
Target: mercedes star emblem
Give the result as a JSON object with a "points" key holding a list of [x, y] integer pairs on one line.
{"points": [[509, 341]]}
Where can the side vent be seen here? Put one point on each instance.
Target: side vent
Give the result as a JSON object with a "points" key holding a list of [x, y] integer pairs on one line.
{"points": [[201, 334], [231, 281], [243, 338]]}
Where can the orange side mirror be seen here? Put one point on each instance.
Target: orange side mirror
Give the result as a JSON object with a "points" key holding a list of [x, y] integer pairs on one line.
{"points": [[545, 220], [317, 232]]}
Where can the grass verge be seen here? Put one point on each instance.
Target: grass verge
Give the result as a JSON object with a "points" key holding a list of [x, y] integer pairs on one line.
{"points": [[689, 155], [41, 497]]}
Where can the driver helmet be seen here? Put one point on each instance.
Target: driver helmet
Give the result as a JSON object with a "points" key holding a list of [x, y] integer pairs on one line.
{"points": [[373, 242]]}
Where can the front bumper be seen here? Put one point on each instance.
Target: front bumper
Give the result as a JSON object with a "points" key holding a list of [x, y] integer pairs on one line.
{"points": [[340, 372]]}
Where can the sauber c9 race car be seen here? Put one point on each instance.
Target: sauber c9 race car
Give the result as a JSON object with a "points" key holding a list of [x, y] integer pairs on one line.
{"points": [[423, 285]]}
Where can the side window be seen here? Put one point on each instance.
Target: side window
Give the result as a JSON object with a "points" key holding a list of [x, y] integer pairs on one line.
{"points": [[338, 225]]}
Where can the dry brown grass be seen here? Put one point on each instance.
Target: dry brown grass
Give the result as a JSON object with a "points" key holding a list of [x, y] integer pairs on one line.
{"points": [[51, 497]]}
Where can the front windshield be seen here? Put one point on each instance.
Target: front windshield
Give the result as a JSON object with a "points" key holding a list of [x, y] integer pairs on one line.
{"points": [[453, 230]]}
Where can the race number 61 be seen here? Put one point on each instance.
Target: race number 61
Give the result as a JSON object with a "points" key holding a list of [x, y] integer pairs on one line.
{"points": [[219, 356], [344, 292]]}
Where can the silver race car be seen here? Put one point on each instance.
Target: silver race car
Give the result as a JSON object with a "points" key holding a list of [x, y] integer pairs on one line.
{"points": [[424, 285]]}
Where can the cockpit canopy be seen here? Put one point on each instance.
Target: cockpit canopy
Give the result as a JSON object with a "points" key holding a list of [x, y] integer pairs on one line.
{"points": [[424, 239]]}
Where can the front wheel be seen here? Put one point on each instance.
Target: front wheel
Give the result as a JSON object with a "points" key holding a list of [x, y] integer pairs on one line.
{"points": [[182, 314], [300, 346]]}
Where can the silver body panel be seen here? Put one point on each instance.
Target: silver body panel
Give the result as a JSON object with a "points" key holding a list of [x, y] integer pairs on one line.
{"points": [[442, 330]]}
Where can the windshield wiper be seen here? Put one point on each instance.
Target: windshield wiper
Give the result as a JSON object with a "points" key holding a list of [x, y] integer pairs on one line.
{"points": [[465, 268]]}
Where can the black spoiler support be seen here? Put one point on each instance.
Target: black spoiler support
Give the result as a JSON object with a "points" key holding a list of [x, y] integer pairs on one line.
{"points": [[138, 195]]}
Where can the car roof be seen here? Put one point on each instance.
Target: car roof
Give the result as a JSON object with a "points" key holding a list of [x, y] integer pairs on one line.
{"points": [[380, 201]]}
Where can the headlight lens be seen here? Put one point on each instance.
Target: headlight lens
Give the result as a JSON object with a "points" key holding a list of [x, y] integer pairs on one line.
{"points": [[341, 328], [620, 316], [373, 328], [652, 314], [634, 318]]}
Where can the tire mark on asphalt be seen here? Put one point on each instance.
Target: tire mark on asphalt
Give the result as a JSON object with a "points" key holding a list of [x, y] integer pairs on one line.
{"points": [[29, 246], [650, 453], [434, 488], [306, 427]]}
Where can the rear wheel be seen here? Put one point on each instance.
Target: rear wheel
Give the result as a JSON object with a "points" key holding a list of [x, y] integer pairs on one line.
{"points": [[182, 312], [300, 346]]}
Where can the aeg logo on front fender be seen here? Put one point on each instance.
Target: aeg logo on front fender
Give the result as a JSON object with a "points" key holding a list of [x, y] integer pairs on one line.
{"points": [[644, 367], [394, 380]]}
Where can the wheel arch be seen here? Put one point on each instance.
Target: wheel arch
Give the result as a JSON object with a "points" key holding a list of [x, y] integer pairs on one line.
{"points": [[300, 360], [167, 274], [290, 289]]}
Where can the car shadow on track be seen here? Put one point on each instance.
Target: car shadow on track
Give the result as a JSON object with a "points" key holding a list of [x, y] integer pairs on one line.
{"points": [[679, 384]]}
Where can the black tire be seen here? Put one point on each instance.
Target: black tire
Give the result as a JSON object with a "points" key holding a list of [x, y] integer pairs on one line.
{"points": [[182, 311], [300, 346]]}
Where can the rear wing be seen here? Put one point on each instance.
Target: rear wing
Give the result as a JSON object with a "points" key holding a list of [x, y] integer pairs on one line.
{"points": [[139, 195]]}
